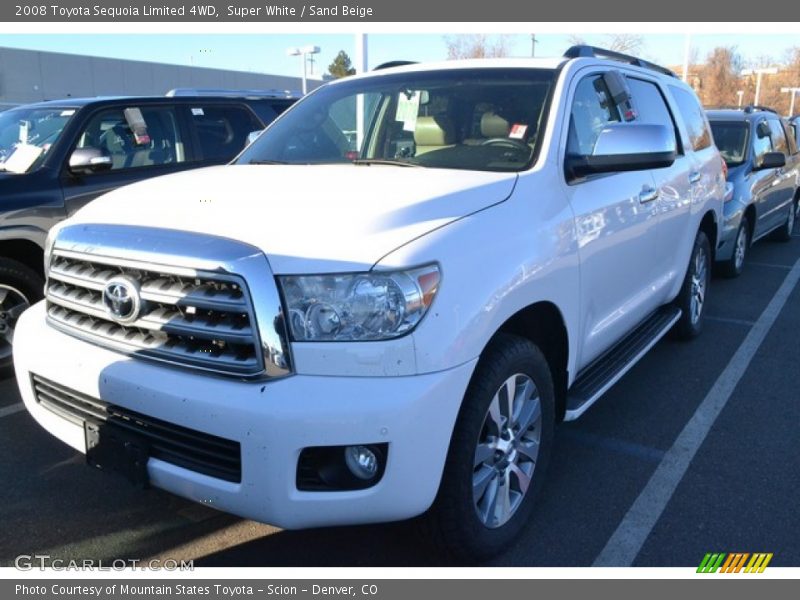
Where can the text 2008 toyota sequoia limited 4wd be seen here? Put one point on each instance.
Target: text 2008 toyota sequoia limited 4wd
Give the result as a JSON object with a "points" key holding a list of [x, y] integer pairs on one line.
{"points": [[390, 299]]}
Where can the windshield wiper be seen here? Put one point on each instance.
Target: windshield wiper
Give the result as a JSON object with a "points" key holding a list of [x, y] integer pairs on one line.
{"points": [[384, 161], [268, 162]]}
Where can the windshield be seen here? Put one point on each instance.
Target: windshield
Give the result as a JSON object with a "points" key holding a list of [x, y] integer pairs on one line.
{"points": [[26, 134], [479, 119], [731, 139]]}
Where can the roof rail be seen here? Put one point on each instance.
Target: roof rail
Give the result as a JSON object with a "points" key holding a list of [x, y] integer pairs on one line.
{"points": [[394, 63], [750, 108], [584, 51], [231, 93]]}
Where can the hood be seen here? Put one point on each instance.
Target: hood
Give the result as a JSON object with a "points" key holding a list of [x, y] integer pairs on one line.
{"points": [[306, 219]]}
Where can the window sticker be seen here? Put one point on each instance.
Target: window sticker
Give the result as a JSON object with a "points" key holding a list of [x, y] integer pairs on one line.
{"points": [[518, 131], [407, 109], [138, 125], [67, 113], [197, 112]]}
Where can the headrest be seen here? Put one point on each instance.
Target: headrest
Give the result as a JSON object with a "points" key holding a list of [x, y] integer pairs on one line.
{"points": [[433, 131], [493, 126]]}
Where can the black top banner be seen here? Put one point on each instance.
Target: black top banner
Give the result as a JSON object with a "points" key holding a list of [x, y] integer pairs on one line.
{"points": [[358, 11]]}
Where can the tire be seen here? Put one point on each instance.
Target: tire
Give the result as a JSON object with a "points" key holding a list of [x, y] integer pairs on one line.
{"points": [[454, 522], [734, 266], [692, 297], [784, 233], [20, 286]]}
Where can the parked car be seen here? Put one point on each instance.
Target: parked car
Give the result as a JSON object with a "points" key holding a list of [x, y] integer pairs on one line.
{"points": [[342, 329], [57, 156], [761, 153]]}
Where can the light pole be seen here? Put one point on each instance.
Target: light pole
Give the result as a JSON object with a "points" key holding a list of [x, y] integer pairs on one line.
{"points": [[304, 52], [534, 41], [792, 91], [758, 73], [739, 95]]}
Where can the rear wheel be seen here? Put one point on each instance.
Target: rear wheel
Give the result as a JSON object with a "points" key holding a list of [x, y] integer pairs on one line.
{"points": [[498, 454], [692, 297], [20, 286], [784, 234], [735, 264]]}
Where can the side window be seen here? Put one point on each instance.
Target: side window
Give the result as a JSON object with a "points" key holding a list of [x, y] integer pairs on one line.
{"points": [[221, 130], [135, 137], [778, 137], [592, 110], [650, 105], [761, 145], [694, 117]]}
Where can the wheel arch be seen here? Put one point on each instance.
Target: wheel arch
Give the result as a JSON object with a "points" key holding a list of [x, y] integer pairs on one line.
{"points": [[25, 251], [543, 324]]}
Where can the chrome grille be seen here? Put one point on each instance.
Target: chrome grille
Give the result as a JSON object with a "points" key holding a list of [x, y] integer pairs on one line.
{"points": [[193, 318]]}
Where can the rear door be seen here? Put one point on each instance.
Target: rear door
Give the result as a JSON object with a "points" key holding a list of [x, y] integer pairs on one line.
{"points": [[137, 152], [706, 185], [674, 185]]}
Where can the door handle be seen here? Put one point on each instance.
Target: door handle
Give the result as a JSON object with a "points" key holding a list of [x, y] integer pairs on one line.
{"points": [[648, 195], [695, 176]]}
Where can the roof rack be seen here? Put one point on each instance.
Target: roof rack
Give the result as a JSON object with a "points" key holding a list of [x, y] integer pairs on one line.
{"points": [[394, 63], [750, 108], [231, 93], [584, 51]]}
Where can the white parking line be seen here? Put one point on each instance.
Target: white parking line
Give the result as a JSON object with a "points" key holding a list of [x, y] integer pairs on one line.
{"points": [[730, 320], [625, 543], [11, 410], [769, 265]]}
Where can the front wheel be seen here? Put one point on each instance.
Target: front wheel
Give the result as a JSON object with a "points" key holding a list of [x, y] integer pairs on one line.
{"points": [[498, 453], [20, 287], [692, 297]]}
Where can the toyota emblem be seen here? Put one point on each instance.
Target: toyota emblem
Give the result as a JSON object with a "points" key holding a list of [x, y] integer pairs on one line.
{"points": [[121, 299]]}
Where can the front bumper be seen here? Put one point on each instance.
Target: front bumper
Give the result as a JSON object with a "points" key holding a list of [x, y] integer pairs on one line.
{"points": [[272, 422]]}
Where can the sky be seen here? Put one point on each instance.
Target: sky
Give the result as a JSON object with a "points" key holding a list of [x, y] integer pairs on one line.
{"points": [[266, 53]]}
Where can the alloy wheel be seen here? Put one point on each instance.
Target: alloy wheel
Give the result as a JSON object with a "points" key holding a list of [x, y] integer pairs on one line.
{"points": [[12, 304], [507, 451]]}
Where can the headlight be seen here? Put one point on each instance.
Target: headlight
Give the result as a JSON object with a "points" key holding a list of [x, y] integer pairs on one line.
{"points": [[378, 305]]}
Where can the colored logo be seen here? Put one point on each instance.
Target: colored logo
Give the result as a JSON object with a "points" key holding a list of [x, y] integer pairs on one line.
{"points": [[734, 562]]}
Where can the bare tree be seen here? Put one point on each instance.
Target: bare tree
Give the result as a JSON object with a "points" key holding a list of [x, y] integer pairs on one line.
{"points": [[476, 46], [720, 79], [630, 43], [575, 40]]}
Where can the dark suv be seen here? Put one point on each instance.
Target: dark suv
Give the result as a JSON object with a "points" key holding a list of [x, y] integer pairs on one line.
{"points": [[762, 157], [56, 156]]}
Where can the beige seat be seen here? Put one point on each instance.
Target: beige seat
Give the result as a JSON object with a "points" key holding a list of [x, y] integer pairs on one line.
{"points": [[433, 133], [494, 126]]}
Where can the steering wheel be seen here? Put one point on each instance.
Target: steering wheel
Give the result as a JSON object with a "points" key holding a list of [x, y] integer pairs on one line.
{"points": [[506, 143]]}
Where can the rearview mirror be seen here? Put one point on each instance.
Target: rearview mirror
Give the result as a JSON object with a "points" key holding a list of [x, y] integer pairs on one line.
{"points": [[770, 160], [89, 160], [626, 147]]}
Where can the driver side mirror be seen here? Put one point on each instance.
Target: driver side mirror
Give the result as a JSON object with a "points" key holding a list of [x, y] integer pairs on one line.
{"points": [[770, 160], [626, 147], [84, 161]]}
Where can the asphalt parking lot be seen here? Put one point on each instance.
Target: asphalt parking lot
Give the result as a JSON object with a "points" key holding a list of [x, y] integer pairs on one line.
{"points": [[737, 493]]}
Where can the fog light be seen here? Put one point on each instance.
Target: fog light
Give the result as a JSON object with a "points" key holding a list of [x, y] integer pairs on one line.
{"points": [[361, 461]]}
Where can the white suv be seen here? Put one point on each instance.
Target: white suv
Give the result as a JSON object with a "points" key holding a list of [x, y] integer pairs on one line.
{"points": [[389, 300]]}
